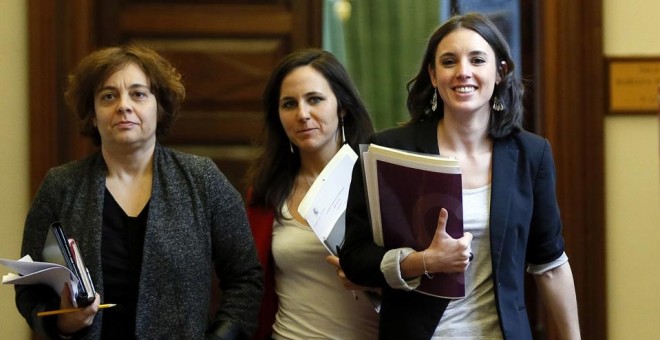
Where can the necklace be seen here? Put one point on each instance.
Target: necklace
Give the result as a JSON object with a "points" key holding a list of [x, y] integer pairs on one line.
{"points": [[308, 181]]}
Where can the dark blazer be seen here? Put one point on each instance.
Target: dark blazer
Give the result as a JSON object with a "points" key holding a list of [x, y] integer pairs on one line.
{"points": [[196, 223], [525, 227]]}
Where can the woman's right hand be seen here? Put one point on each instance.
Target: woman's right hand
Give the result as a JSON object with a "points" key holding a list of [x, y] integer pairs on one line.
{"points": [[334, 261], [69, 323]]}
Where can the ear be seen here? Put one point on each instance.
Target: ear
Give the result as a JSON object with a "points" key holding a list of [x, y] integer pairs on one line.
{"points": [[431, 70], [94, 122], [501, 71]]}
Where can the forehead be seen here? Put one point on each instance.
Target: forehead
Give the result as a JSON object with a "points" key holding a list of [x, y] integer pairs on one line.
{"points": [[130, 73], [302, 80], [463, 40]]}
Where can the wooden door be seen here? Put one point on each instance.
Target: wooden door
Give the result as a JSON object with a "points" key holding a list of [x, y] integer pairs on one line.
{"points": [[224, 49]]}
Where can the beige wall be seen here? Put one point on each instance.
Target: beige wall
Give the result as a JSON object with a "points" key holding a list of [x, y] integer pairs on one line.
{"points": [[14, 151], [632, 185]]}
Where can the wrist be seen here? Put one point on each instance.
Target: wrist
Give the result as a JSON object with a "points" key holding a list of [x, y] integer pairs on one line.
{"points": [[426, 271]]}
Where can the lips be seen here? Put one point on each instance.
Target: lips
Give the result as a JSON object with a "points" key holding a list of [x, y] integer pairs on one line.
{"points": [[125, 124], [465, 89], [306, 130]]}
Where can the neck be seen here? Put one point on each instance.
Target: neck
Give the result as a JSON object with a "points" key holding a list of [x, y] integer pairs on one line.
{"points": [[128, 162], [312, 163], [463, 136]]}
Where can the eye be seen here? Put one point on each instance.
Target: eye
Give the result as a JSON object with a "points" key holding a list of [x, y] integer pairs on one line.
{"points": [[287, 104], [107, 96], [315, 100], [140, 94], [478, 60], [448, 62]]}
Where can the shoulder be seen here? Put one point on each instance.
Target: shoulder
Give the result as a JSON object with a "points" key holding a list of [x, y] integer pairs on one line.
{"points": [[76, 171], [406, 136], [173, 161], [200, 173], [530, 140], [531, 148], [526, 142], [396, 132]]}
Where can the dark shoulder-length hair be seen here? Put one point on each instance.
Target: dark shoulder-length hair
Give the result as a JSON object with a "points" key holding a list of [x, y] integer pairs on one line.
{"points": [[273, 173], [93, 70], [510, 89]]}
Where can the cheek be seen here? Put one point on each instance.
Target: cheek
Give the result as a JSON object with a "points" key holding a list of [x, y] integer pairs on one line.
{"points": [[285, 121]]}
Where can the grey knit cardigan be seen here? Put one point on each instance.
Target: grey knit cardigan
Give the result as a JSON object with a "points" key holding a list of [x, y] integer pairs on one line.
{"points": [[196, 223]]}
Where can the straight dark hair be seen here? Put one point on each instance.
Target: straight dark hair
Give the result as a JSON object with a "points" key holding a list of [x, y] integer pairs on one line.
{"points": [[273, 172], [510, 89]]}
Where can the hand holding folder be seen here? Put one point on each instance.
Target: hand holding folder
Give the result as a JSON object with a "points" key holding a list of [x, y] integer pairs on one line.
{"points": [[69, 255]]}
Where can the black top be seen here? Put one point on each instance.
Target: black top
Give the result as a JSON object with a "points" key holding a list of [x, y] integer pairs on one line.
{"points": [[121, 258]]}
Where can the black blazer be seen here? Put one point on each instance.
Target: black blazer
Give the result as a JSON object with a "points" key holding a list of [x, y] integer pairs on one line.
{"points": [[525, 227]]}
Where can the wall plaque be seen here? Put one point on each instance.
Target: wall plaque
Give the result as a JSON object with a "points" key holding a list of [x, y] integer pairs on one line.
{"points": [[633, 85]]}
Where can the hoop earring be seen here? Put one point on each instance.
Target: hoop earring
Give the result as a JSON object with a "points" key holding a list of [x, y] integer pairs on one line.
{"points": [[291, 146], [434, 99], [343, 133], [498, 104]]}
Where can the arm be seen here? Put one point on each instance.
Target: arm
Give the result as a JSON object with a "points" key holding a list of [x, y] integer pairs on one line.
{"points": [[558, 294], [235, 260], [31, 299], [546, 244], [360, 257]]}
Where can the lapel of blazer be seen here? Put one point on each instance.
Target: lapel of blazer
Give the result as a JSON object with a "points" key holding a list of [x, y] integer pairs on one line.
{"points": [[505, 159]]}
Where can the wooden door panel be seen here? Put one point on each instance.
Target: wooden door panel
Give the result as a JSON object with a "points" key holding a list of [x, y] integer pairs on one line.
{"points": [[241, 20], [224, 82]]}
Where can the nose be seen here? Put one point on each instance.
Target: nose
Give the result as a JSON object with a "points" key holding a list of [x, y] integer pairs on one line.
{"points": [[464, 70], [124, 104], [303, 112]]}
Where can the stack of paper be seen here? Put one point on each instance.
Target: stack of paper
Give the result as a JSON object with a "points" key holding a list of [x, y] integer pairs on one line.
{"points": [[406, 191], [324, 205], [28, 272]]}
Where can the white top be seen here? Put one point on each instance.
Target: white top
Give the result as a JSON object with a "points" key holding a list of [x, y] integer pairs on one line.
{"points": [[313, 304], [475, 316]]}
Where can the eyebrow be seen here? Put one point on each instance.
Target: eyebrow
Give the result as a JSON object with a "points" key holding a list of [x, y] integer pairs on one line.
{"points": [[133, 86], [308, 94], [471, 53]]}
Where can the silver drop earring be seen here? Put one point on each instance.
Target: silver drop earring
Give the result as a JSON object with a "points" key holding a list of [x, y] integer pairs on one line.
{"points": [[343, 133], [498, 104], [291, 146], [434, 100]]}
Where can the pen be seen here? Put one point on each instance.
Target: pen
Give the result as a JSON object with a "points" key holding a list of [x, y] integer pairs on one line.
{"points": [[69, 310]]}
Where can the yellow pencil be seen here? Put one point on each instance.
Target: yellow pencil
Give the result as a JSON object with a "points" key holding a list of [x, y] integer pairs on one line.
{"points": [[69, 310]]}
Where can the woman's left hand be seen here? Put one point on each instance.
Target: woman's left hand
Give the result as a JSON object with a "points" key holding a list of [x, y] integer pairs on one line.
{"points": [[334, 260], [70, 323]]}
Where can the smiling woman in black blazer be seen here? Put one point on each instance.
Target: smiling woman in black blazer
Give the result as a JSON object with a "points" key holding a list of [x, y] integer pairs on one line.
{"points": [[466, 102]]}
